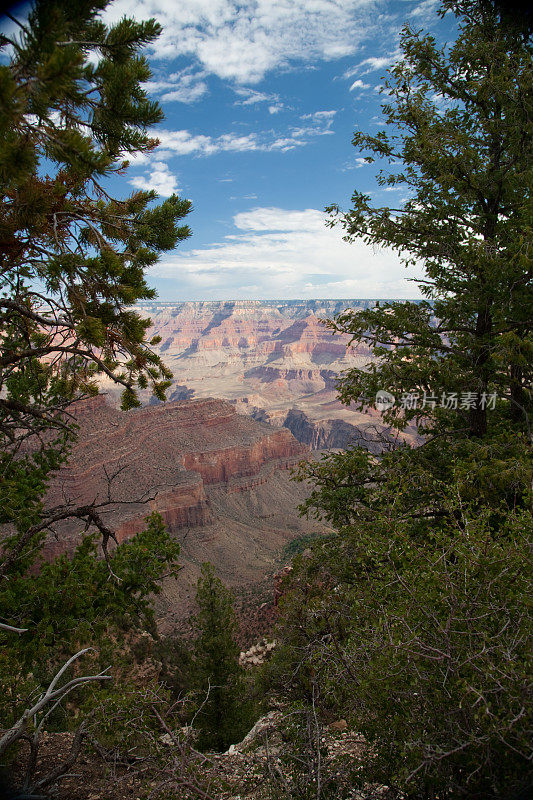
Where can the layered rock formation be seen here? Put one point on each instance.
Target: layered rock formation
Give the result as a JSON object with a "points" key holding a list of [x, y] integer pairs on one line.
{"points": [[329, 434], [263, 356], [220, 481], [162, 458]]}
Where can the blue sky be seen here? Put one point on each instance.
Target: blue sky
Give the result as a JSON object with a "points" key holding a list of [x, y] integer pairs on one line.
{"points": [[261, 98]]}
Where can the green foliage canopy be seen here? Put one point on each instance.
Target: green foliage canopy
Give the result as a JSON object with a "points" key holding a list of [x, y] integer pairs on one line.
{"points": [[412, 619], [74, 602], [72, 265], [221, 718], [460, 144], [72, 256]]}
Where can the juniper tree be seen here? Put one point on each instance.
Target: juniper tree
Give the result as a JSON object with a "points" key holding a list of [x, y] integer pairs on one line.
{"points": [[460, 145], [412, 618]]}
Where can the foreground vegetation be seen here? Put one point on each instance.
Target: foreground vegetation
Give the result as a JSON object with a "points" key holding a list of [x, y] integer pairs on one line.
{"points": [[409, 623], [412, 621], [72, 261]]}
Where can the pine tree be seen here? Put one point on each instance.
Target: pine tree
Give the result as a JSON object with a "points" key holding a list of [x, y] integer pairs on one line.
{"points": [[73, 260], [412, 618], [72, 257], [67, 124], [459, 363], [221, 718]]}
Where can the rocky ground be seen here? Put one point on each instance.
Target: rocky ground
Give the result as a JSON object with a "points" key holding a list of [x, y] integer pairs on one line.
{"points": [[258, 768]]}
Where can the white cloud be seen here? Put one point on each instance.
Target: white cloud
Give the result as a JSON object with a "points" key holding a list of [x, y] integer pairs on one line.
{"points": [[285, 253], [184, 87], [284, 144], [242, 41], [250, 96], [321, 116], [183, 142], [358, 84], [229, 142], [186, 94], [277, 219], [424, 12], [159, 178], [320, 124], [372, 64]]}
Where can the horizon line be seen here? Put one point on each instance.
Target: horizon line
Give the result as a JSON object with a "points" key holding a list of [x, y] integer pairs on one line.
{"points": [[280, 300]]}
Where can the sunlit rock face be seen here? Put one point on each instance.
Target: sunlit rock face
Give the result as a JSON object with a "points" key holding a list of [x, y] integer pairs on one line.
{"points": [[267, 358]]}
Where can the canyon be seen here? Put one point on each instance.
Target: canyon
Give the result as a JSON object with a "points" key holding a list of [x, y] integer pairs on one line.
{"points": [[219, 479], [254, 392], [275, 361]]}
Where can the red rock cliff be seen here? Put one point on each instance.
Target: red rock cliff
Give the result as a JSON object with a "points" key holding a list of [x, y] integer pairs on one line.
{"points": [[161, 458]]}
